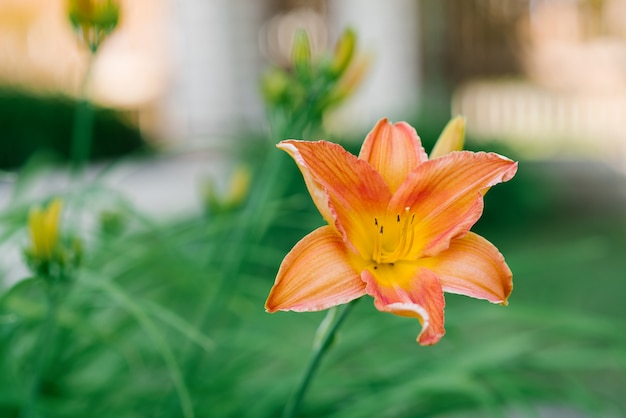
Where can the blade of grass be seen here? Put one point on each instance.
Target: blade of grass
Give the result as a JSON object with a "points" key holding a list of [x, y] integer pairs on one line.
{"points": [[119, 296], [179, 324]]}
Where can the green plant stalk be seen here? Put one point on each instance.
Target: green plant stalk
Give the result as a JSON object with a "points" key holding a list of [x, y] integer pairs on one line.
{"points": [[250, 225], [293, 406], [44, 339], [141, 315], [255, 218], [82, 132], [249, 228]]}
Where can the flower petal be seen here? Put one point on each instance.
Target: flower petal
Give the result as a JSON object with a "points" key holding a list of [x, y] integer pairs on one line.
{"points": [[451, 139], [472, 266], [393, 150], [348, 192], [315, 275], [403, 290], [445, 196]]}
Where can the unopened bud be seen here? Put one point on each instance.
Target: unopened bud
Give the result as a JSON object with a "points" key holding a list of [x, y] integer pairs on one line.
{"points": [[350, 81], [451, 139], [49, 255], [343, 53], [233, 196], [93, 20], [43, 229], [274, 86], [301, 52], [239, 186]]}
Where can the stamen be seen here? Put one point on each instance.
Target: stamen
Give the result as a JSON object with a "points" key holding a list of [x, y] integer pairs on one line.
{"points": [[378, 245], [404, 238]]}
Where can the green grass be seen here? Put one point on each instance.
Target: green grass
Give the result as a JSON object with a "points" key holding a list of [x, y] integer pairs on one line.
{"points": [[159, 323]]}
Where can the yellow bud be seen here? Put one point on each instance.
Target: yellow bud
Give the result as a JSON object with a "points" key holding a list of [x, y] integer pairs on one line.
{"points": [[43, 227], [350, 81], [301, 52], [233, 196], [93, 20], [343, 53], [451, 139], [274, 85], [239, 185]]}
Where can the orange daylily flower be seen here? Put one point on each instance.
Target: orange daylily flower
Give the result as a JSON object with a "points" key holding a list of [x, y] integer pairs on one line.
{"points": [[398, 228]]}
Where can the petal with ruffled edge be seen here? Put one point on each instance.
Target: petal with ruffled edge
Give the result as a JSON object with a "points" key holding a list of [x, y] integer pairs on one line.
{"points": [[394, 150], [316, 274], [348, 192], [472, 266], [445, 196], [405, 289]]}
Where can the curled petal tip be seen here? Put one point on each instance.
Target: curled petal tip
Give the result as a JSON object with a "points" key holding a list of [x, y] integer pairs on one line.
{"points": [[505, 301], [429, 339], [419, 296], [268, 307]]}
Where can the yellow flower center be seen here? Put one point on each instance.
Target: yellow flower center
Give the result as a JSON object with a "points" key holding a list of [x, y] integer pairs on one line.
{"points": [[394, 239]]}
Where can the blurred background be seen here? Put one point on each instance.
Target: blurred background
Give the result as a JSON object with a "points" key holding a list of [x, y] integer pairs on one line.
{"points": [[166, 314], [546, 76]]}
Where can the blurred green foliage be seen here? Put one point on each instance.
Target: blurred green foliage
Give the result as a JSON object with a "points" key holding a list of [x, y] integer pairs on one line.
{"points": [[153, 327], [31, 123], [165, 319]]}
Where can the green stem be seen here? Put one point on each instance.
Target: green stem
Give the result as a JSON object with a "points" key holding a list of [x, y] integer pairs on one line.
{"points": [[83, 125], [42, 347], [293, 406], [255, 218]]}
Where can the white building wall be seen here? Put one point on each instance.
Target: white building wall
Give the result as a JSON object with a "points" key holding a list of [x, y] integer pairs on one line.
{"points": [[389, 30], [217, 63], [216, 67]]}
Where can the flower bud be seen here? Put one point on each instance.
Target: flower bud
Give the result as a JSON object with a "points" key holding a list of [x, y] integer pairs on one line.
{"points": [[275, 86], [343, 53], [239, 185], [301, 52], [93, 20], [451, 139], [50, 255], [233, 196], [43, 228], [350, 81]]}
